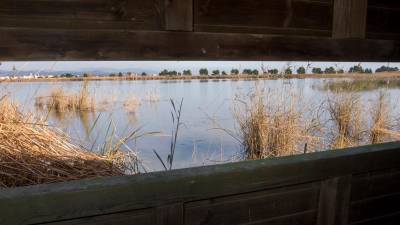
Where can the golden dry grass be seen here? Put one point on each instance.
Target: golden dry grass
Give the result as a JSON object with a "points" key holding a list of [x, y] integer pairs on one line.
{"points": [[60, 101], [270, 125], [383, 122], [346, 116], [33, 153]]}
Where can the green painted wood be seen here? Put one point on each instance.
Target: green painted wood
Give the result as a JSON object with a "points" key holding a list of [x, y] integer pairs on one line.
{"points": [[77, 199]]}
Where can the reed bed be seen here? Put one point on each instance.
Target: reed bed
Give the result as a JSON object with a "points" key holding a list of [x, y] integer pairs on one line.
{"points": [[60, 101], [270, 125], [132, 103], [32, 153], [383, 127], [355, 85], [346, 117]]}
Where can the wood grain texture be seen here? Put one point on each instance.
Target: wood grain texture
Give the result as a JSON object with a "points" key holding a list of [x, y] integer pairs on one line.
{"points": [[349, 18], [97, 197], [334, 201], [83, 14], [255, 207], [48, 44], [272, 16], [179, 15]]}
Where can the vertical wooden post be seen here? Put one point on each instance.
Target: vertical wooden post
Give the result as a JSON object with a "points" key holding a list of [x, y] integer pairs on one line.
{"points": [[170, 214], [334, 201], [349, 18], [179, 15]]}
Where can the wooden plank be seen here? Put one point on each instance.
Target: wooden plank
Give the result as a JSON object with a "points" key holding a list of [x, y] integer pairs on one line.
{"points": [[83, 14], [179, 15], [392, 219], [349, 18], [142, 217], [374, 208], [170, 214], [254, 207], [383, 19], [334, 201], [375, 184], [273, 16], [48, 44], [64, 201]]}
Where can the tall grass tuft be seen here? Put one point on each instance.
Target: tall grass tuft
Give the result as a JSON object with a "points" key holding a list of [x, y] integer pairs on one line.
{"points": [[31, 152], [346, 116], [61, 101], [270, 125]]}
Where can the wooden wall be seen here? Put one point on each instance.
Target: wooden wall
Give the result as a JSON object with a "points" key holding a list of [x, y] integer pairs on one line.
{"points": [[339, 30], [352, 186]]}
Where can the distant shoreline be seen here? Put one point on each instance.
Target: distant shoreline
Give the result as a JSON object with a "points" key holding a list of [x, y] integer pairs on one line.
{"points": [[220, 77]]}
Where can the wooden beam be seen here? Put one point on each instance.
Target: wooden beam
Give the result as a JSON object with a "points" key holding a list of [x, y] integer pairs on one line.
{"points": [[334, 201], [179, 15], [349, 18], [48, 44], [86, 198]]}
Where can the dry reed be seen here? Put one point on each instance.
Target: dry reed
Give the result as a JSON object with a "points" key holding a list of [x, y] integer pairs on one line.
{"points": [[383, 124], [61, 101], [346, 116], [270, 125], [33, 153]]}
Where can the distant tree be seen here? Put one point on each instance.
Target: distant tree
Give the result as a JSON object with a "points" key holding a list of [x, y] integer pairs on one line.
{"points": [[301, 70], [203, 72], [368, 70], [129, 74], [215, 72], [247, 71], [120, 74], [173, 73], [144, 74], [163, 72], [224, 73], [112, 75], [330, 70], [273, 71], [356, 69], [85, 75], [187, 73], [254, 72], [316, 70], [340, 71], [288, 71], [234, 71], [386, 69]]}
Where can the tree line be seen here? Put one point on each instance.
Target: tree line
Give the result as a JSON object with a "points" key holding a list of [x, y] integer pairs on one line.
{"points": [[287, 71]]}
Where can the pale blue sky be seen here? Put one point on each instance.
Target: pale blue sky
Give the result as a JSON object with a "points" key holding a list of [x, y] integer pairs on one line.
{"points": [[139, 66]]}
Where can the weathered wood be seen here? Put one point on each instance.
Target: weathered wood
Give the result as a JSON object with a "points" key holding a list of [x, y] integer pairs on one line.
{"points": [[334, 201], [179, 15], [255, 207], [383, 19], [374, 208], [272, 16], [370, 185], [96, 197], [170, 214], [48, 44], [349, 18], [83, 14], [140, 217]]}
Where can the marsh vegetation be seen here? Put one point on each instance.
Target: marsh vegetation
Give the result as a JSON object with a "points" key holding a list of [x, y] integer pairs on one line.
{"points": [[135, 128]]}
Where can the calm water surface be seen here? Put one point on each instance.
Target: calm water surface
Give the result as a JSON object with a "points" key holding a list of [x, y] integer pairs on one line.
{"points": [[206, 106]]}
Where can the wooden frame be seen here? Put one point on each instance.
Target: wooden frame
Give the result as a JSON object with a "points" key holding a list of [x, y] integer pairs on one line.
{"points": [[307, 30], [332, 187]]}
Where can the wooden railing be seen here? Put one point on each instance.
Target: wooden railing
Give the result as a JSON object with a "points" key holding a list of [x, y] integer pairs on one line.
{"points": [[353, 186]]}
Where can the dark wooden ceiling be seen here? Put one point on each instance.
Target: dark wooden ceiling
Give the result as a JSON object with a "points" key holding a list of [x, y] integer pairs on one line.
{"points": [[337, 30]]}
